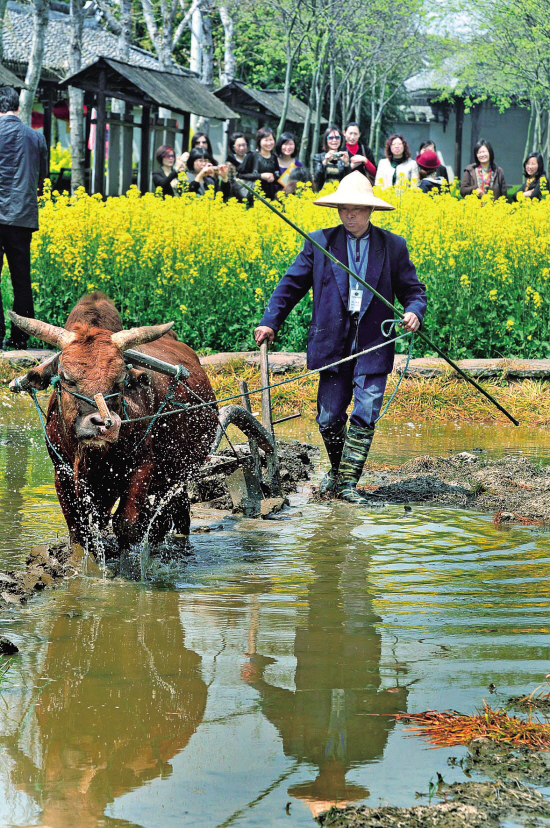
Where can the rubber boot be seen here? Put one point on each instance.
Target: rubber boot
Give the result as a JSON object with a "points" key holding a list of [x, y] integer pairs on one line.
{"points": [[354, 455], [334, 444]]}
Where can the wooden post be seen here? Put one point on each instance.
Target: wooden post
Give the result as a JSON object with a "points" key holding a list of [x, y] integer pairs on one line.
{"points": [[48, 106], [127, 147], [113, 163], [88, 100], [254, 453], [100, 135], [266, 394], [145, 149], [273, 477]]}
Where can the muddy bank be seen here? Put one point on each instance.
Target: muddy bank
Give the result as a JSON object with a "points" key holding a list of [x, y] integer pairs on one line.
{"points": [[505, 795], [513, 488], [46, 566], [466, 805]]}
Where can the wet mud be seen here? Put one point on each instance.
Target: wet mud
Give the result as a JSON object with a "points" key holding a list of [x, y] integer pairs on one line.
{"points": [[466, 805], [45, 567], [506, 794], [513, 488]]}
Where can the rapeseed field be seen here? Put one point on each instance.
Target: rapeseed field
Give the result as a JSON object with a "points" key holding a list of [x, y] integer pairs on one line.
{"points": [[211, 266]]}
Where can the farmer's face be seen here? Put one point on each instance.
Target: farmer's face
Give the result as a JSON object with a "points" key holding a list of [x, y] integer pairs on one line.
{"points": [[355, 219]]}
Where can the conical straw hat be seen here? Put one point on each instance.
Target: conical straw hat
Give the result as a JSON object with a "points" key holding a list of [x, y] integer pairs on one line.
{"points": [[354, 189]]}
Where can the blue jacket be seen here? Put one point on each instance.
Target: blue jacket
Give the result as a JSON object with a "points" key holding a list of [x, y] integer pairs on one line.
{"points": [[389, 270], [23, 167]]}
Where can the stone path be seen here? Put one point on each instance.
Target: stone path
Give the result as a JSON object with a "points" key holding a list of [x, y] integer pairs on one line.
{"points": [[282, 362]]}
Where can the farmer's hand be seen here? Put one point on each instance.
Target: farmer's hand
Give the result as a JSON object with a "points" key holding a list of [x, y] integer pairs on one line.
{"points": [[412, 322], [263, 332]]}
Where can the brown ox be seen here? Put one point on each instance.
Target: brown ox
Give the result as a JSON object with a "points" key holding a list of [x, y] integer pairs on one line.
{"points": [[98, 463]]}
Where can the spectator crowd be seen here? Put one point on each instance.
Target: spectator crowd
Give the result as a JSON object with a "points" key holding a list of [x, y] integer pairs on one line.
{"points": [[273, 163]]}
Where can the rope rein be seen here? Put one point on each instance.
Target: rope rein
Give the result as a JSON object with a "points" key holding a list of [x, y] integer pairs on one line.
{"points": [[387, 328]]}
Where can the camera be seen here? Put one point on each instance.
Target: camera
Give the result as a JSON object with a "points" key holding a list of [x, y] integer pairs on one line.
{"points": [[337, 154]]}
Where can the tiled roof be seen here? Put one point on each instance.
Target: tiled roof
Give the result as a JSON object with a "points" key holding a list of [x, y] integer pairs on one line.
{"points": [[95, 41]]}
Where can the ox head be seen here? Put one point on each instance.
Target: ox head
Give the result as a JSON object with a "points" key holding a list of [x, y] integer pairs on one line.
{"points": [[91, 367]]}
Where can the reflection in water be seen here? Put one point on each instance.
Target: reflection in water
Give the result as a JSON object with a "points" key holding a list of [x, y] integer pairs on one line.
{"points": [[332, 720], [14, 456], [122, 695]]}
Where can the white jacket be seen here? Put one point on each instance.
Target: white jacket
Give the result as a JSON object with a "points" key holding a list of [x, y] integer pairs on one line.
{"points": [[384, 172]]}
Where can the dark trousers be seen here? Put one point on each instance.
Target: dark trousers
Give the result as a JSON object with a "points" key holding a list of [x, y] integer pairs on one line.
{"points": [[15, 243]]}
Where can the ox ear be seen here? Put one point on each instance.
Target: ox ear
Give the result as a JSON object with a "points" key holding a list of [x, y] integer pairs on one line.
{"points": [[139, 336], [58, 337]]}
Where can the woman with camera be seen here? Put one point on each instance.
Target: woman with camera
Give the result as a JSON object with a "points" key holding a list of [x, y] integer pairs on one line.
{"points": [[262, 165], [201, 174], [333, 163], [167, 176]]}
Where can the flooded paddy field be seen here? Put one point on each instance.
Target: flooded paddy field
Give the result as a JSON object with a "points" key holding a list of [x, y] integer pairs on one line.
{"points": [[256, 684]]}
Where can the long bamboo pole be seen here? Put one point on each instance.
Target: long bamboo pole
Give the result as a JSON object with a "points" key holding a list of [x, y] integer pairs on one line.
{"points": [[383, 299]]}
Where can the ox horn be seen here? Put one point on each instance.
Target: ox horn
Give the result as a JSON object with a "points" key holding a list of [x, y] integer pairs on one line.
{"points": [[139, 336], [58, 337]]}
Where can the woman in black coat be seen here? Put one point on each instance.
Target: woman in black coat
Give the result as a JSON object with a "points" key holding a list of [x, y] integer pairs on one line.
{"points": [[533, 170], [333, 163], [262, 165], [167, 176], [202, 174]]}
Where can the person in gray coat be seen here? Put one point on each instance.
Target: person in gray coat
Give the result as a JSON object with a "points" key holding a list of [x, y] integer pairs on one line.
{"points": [[23, 168]]}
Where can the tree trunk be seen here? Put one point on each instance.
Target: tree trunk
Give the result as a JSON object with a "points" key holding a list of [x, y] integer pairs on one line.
{"points": [[39, 25], [207, 69], [76, 96], [3, 4], [319, 97], [286, 96], [314, 84], [229, 59], [332, 88], [125, 36]]}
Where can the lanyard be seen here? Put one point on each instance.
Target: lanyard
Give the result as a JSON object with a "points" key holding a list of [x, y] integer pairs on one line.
{"points": [[351, 256]]}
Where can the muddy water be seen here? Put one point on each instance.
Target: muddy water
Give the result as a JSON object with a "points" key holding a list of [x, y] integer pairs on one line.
{"points": [[255, 685]]}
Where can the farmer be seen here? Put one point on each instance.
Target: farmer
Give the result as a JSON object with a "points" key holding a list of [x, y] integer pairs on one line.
{"points": [[346, 319]]}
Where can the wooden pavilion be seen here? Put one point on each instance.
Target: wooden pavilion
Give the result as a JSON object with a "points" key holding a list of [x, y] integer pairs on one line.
{"points": [[148, 89]]}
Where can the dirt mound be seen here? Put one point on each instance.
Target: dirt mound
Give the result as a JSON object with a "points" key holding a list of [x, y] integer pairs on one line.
{"points": [[467, 805], [514, 488], [45, 567]]}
